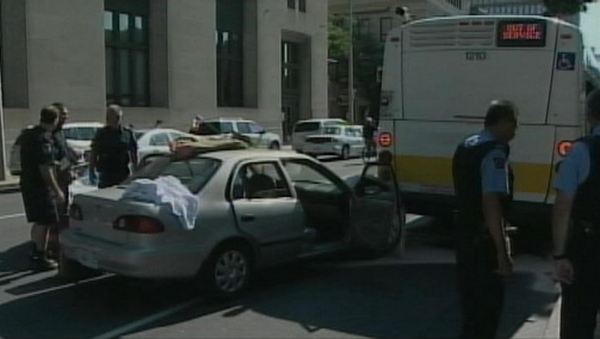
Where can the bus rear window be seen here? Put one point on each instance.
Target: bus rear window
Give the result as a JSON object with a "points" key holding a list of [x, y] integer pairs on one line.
{"points": [[307, 127]]}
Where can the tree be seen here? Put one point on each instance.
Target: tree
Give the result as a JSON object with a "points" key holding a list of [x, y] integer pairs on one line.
{"points": [[368, 57], [566, 7], [339, 39]]}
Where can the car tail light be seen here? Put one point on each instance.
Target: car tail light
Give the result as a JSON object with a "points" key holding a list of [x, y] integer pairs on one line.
{"points": [[75, 212], [138, 224], [385, 139], [564, 147]]}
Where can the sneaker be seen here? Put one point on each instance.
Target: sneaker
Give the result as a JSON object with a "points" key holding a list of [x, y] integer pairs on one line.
{"points": [[40, 262]]}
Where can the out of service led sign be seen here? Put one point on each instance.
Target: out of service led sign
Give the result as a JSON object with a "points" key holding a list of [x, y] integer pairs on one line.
{"points": [[521, 33]]}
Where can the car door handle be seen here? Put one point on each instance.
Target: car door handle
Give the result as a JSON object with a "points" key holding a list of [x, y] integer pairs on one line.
{"points": [[248, 218]]}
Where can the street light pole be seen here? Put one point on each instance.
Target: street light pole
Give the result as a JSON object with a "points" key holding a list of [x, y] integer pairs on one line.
{"points": [[352, 117]]}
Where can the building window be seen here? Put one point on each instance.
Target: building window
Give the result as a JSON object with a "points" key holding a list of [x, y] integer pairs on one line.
{"points": [[230, 53], [290, 61], [455, 3], [302, 5], [385, 25], [363, 27], [126, 34], [291, 4]]}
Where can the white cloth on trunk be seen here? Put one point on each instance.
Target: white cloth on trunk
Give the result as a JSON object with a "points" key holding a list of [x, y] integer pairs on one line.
{"points": [[168, 191]]}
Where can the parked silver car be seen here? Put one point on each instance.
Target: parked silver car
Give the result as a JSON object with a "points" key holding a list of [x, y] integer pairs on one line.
{"points": [[256, 134], [344, 141], [257, 209]]}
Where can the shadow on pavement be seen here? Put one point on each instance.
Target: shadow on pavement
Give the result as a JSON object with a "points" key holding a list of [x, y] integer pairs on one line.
{"points": [[364, 298], [387, 301], [15, 259]]}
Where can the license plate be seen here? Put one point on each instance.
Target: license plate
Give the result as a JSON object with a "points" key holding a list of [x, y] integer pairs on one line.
{"points": [[86, 258]]}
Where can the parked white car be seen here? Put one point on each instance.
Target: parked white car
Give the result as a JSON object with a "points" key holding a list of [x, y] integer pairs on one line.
{"points": [[258, 136], [306, 128], [154, 142], [79, 136], [257, 208], [343, 141]]}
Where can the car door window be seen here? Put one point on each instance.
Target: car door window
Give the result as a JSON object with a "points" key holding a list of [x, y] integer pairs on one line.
{"points": [[161, 139], [244, 127], [307, 176], [226, 127], [263, 180]]}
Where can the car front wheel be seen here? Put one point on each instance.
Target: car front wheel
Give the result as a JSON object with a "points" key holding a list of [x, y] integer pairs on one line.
{"points": [[345, 155], [395, 236], [228, 271], [274, 146]]}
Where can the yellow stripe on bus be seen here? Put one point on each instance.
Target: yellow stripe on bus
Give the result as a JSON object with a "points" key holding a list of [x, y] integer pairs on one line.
{"points": [[437, 171]]}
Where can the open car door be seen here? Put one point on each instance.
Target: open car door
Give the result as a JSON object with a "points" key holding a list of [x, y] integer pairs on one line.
{"points": [[377, 216]]}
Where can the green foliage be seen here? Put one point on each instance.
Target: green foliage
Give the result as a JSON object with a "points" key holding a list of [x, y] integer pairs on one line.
{"points": [[339, 39], [566, 7], [368, 56]]}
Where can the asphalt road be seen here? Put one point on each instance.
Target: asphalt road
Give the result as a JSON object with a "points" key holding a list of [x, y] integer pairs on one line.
{"points": [[409, 294]]}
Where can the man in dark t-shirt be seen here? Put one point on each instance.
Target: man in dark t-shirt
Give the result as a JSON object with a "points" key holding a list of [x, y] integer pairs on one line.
{"points": [[42, 196]]}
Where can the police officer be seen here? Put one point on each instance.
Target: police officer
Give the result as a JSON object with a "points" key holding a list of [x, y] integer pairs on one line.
{"points": [[483, 185], [576, 229], [42, 195], [114, 150]]}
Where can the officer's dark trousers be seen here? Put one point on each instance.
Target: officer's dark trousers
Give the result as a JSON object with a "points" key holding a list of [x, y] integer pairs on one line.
{"points": [[581, 300], [481, 290]]}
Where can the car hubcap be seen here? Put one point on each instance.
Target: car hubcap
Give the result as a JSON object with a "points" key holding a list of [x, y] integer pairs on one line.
{"points": [[231, 271]]}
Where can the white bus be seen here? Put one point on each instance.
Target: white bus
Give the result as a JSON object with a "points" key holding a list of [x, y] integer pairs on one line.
{"points": [[440, 75]]}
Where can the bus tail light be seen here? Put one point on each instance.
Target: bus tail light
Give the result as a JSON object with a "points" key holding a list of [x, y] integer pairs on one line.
{"points": [[385, 139], [564, 147]]}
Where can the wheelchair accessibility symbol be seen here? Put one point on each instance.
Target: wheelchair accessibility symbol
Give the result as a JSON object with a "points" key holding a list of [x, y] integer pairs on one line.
{"points": [[565, 62]]}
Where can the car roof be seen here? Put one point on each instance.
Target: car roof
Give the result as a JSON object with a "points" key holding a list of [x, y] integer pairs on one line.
{"points": [[228, 120], [83, 124], [323, 120], [252, 153]]}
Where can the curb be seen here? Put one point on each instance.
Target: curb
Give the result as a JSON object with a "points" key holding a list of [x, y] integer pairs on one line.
{"points": [[9, 187]]}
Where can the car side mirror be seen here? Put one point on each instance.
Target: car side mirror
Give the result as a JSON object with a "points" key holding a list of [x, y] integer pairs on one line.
{"points": [[262, 131]]}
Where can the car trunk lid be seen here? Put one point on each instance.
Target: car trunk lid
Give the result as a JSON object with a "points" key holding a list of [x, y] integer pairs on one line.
{"points": [[100, 209]]}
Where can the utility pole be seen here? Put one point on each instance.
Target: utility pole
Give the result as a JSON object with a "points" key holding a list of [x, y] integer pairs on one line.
{"points": [[352, 116], [2, 138]]}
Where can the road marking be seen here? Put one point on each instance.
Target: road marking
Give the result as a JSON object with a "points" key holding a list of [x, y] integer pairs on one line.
{"points": [[120, 331], [11, 216]]}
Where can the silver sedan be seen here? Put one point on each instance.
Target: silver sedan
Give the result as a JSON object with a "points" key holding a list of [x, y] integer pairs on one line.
{"points": [[257, 209]]}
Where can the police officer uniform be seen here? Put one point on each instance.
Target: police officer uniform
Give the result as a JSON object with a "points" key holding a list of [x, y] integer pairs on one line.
{"points": [[113, 148], [579, 174], [37, 149], [480, 166]]}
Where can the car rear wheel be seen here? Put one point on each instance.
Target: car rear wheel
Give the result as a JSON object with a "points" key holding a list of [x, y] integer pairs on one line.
{"points": [[228, 271], [345, 155], [71, 271], [274, 146]]}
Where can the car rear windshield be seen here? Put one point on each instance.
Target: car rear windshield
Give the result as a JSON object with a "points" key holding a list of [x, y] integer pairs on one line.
{"points": [[307, 127], [214, 128], [193, 173], [332, 130], [80, 133]]}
